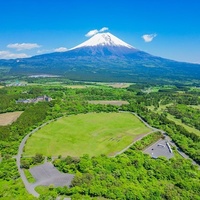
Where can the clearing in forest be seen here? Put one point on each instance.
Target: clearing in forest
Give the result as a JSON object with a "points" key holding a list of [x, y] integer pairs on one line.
{"points": [[92, 133], [116, 85], [9, 118]]}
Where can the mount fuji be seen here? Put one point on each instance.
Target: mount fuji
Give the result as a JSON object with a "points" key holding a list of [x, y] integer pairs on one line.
{"points": [[104, 57], [104, 39]]}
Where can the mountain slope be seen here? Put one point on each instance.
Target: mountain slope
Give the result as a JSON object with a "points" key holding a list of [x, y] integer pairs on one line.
{"points": [[104, 57], [104, 39]]}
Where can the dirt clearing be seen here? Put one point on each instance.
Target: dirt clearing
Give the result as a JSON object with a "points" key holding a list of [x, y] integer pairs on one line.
{"points": [[9, 118]]}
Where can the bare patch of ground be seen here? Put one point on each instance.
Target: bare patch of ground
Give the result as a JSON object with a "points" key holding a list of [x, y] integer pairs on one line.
{"points": [[118, 85], [9, 118], [46, 174], [116, 103]]}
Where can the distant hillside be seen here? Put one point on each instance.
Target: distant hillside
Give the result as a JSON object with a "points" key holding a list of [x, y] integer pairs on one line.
{"points": [[104, 57]]}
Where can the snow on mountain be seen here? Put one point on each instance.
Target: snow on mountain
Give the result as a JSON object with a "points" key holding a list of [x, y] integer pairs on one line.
{"points": [[103, 39]]}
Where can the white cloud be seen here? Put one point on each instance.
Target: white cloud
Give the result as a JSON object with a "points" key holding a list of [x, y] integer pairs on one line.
{"points": [[103, 29], [60, 49], [95, 31], [23, 46], [149, 37], [9, 55], [91, 33]]}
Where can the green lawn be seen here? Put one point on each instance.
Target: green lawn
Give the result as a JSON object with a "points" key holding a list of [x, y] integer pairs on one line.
{"points": [[93, 134]]}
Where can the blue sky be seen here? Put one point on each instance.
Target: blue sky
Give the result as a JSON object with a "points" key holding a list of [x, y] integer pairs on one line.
{"points": [[30, 27]]}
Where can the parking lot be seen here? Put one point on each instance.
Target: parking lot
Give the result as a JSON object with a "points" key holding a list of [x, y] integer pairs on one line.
{"points": [[47, 174], [160, 148]]}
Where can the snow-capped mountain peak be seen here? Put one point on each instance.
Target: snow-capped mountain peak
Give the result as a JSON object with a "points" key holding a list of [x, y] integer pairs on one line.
{"points": [[104, 39]]}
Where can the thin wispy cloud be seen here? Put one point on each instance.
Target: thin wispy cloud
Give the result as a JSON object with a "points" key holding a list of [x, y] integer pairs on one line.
{"points": [[40, 51], [10, 55], [60, 49], [149, 37], [103, 29], [95, 31], [23, 46]]}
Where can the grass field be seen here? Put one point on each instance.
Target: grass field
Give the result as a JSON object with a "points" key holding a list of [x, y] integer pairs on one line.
{"points": [[93, 134], [107, 102], [9, 118], [162, 108], [178, 122]]}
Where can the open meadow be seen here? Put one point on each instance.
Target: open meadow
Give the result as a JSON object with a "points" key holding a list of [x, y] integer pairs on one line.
{"points": [[93, 134], [162, 109]]}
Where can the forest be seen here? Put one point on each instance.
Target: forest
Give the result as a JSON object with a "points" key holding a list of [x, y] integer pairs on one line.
{"points": [[131, 175]]}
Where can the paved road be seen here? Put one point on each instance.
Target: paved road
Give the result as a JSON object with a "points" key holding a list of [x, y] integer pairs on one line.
{"points": [[146, 124], [29, 187], [166, 136], [179, 150], [168, 139], [139, 138], [23, 177]]}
